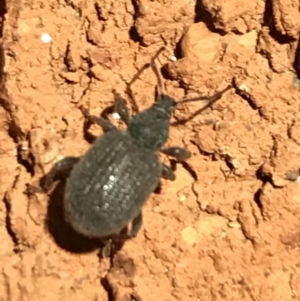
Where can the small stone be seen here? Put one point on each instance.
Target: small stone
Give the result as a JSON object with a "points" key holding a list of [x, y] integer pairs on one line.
{"points": [[182, 198], [46, 38], [244, 87], [292, 175], [156, 209], [201, 45], [234, 225], [115, 116], [190, 235]]}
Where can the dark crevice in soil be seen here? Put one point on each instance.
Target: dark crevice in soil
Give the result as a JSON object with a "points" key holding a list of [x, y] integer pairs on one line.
{"points": [[177, 50], [134, 35], [3, 11], [8, 223], [74, 6], [2, 73], [14, 131], [87, 35], [108, 289], [166, 74], [86, 89], [274, 149], [228, 163], [296, 63], [257, 200], [99, 12], [268, 20]]}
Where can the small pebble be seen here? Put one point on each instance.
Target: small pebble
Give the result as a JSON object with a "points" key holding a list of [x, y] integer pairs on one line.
{"points": [[173, 58], [244, 87], [234, 225], [182, 198], [59, 158], [292, 175], [115, 116], [46, 38], [190, 235], [224, 234], [156, 209]]}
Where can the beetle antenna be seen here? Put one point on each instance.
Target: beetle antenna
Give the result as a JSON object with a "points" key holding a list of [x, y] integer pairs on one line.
{"points": [[154, 68], [160, 87], [211, 100]]}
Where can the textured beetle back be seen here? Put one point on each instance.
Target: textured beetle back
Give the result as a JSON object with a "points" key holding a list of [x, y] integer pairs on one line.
{"points": [[109, 185], [150, 128]]}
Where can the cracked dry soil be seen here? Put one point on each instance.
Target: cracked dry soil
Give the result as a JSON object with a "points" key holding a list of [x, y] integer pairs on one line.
{"points": [[230, 233]]}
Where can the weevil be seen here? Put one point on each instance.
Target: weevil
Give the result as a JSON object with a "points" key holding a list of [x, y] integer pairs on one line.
{"points": [[107, 187]]}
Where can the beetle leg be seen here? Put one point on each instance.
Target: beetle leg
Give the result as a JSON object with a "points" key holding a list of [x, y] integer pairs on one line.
{"points": [[167, 172], [109, 247], [106, 250], [136, 225], [135, 228], [105, 124], [179, 153], [61, 169], [121, 108]]}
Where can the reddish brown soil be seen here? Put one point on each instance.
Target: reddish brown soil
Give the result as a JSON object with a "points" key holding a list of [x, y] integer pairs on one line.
{"points": [[231, 234]]}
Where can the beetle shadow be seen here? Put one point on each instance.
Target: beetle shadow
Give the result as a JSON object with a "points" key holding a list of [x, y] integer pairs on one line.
{"points": [[62, 233]]}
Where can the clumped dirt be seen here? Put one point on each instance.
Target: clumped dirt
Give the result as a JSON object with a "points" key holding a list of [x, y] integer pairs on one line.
{"points": [[230, 231]]}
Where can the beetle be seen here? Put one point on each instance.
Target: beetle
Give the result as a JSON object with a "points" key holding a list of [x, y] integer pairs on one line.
{"points": [[108, 186]]}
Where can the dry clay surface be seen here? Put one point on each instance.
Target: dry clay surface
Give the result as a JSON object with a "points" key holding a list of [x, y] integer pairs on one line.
{"points": [[229, 230]]}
